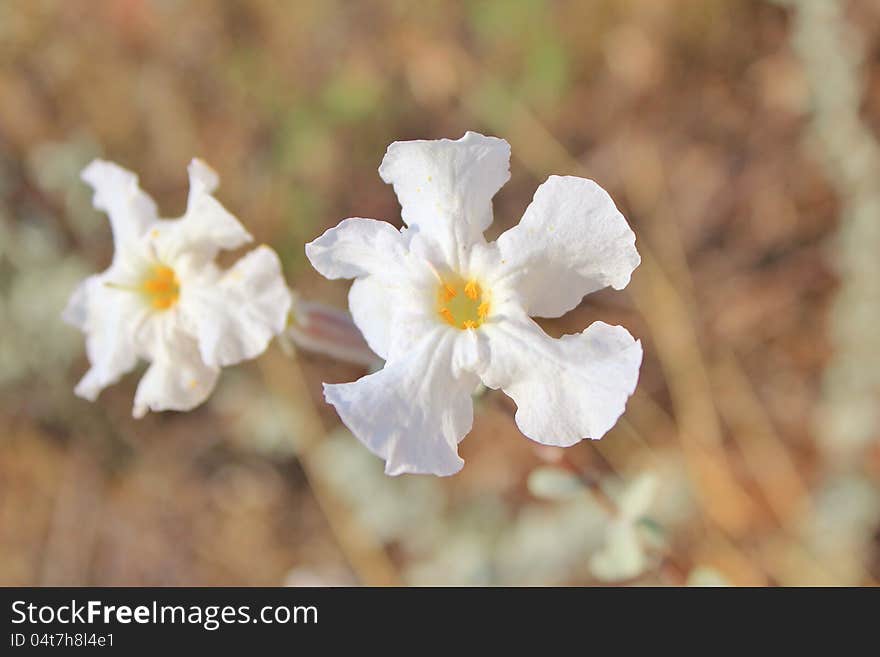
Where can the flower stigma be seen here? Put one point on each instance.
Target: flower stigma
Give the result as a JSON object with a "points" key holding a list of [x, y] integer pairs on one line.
{"points": [[161, 287], [462, 304]]}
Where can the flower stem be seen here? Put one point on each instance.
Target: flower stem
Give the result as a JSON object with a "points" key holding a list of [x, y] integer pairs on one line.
{"points": [[363, 551]]}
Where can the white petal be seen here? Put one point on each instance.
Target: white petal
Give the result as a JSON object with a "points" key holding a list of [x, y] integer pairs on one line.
{"points": [[235, 317], [110, 319], [202, 180], [390, 279], [568, 389], [394, 318], [206, 227], [177, 379], [470, 353], [369, 301], [571, 241], [445, 187], [357, 247], [131, 211], [413, 412]]}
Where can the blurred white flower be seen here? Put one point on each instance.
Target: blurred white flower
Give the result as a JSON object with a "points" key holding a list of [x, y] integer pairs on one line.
{"points": [[447, 310], [623, 554], [164, 300]]}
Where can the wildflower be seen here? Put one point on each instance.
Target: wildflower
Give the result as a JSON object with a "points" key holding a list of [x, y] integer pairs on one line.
{"points": [[164, 300], [447, 310]]}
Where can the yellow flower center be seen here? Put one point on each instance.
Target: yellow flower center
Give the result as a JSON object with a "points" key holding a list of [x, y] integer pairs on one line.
{"points": [[462, 304], [161, 287]]}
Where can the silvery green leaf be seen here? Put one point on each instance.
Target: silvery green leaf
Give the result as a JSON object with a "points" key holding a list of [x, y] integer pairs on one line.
{"points": [[550, 483], [706, 576]]}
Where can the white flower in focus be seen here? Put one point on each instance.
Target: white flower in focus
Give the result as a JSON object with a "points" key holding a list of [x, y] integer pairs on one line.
{"points": [[164, 300], [623, 554], [447, 310]]}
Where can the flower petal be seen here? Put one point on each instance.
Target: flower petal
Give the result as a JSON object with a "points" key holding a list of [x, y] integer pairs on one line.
{"points": [[206, 227], [357, 247], [369, 301], [202, 180], [445, 187], [389, 277], [235, 317], [110, 319], [571, 241], [413, 412], [130, 210], [177, 379], [568, 389]]}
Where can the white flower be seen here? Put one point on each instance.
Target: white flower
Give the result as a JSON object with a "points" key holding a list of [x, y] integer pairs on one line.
{"points": [[164, 300], [447, 310]]}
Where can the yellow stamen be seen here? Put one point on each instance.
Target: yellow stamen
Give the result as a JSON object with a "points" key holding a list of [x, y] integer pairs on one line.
{"points": [[161, 287], [462, 304]]}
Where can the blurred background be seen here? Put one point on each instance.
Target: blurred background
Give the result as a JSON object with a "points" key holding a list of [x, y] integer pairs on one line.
{"points": [[738, 137]]}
